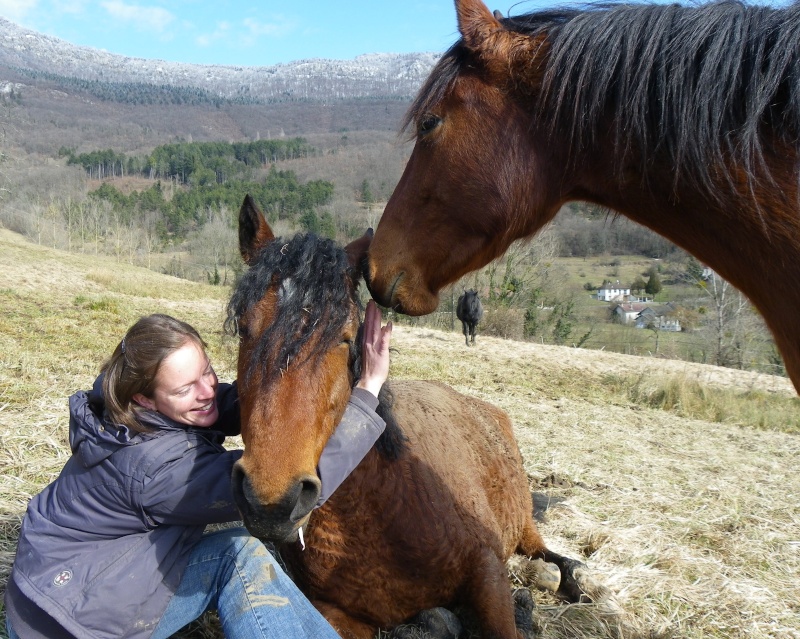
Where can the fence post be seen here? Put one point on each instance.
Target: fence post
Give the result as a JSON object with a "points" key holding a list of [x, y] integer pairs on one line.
{"points": [[452, 309]]}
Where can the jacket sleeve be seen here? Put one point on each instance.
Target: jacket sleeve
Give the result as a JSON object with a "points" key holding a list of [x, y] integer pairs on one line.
{"points": [[191, 487], [358, 430]]}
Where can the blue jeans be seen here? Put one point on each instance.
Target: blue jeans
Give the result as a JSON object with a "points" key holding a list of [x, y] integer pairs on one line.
{"points": [[233, 573], [10, 630]]}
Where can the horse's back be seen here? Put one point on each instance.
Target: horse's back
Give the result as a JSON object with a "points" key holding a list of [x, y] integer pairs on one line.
{"points": [[469, 448]]}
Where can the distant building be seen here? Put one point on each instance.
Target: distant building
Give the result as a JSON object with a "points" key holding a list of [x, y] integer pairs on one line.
{"points": [[609, 292], [644, 316], [626, 313]]}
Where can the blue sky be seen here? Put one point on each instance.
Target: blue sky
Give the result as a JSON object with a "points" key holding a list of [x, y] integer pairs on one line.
{"points": [[251, 33], [246, 33]]}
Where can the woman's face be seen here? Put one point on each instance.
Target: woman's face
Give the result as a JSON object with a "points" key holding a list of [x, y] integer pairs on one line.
{"points": [[186, 388]]}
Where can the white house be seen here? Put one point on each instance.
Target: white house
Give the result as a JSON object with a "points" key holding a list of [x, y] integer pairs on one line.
{"points": [[609, 292]]}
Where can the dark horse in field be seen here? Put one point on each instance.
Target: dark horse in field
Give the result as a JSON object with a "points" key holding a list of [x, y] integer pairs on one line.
{"points": [[685, 119], [434, 510], [470, 311]]}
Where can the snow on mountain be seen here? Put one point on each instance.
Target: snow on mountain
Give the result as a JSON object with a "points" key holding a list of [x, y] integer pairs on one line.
{"points": [[384, 75]]}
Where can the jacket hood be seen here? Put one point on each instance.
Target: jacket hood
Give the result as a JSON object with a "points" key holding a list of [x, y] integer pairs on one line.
{"points": [[93, 438]]}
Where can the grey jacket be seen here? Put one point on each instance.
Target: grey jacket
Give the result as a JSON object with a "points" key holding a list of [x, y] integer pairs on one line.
{"points": [[103, 547]]}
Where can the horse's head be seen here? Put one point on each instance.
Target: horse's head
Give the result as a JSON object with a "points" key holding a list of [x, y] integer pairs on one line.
{"points": [[297, 315], [475, 172]]}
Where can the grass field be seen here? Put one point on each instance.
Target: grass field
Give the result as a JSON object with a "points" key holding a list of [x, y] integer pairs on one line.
{"points": [[676, 483]]}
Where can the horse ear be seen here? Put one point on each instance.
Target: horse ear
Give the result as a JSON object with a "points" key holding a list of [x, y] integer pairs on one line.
{"points": [[357, 250], [500, 50], [254, 232], [475, 23]]}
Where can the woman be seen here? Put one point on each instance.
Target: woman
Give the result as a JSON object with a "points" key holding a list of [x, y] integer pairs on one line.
{"points": [[115, 546]]}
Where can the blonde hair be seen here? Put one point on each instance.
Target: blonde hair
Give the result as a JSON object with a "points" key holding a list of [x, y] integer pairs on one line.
{"points": [[136, 360]]}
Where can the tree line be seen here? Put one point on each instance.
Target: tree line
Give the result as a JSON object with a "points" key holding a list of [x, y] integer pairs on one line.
{"points": [[193, 163], [280, 195], [133, 92]]}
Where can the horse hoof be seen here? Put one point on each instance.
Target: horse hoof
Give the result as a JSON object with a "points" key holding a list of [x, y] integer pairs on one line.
{"points": [[575, 582], [436, 623], [538, 573], [523, 613], [547, 576]]}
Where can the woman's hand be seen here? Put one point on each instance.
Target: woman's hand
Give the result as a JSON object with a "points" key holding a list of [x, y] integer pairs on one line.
{"points": [[375, 351]]}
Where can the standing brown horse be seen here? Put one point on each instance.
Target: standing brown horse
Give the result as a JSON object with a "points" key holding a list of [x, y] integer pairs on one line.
{"points": [[686, 119], [434, 510]]}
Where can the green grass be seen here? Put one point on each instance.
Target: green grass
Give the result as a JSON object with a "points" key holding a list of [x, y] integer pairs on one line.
{"points": [[688, 398]]}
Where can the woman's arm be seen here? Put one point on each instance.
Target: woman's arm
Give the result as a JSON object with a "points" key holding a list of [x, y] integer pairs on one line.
{"points": [[192, 486], [360, 426]]}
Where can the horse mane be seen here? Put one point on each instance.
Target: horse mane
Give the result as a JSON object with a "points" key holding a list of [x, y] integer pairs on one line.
{"points": [[317, 288], [710, 85]]}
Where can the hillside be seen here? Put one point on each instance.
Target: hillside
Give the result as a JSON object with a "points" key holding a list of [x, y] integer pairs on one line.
{"points": [[690, 526], [384, 75], [60, 94]]}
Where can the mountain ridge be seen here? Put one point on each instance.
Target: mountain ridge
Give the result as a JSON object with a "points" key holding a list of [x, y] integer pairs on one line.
{"points": [[371, 75]]}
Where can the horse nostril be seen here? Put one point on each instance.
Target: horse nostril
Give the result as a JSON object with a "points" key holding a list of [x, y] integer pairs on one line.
{"points": [[276, 519], [308, 490]]}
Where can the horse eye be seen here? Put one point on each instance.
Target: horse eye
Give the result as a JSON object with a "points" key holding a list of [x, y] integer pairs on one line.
{"points": [[428, 123]]}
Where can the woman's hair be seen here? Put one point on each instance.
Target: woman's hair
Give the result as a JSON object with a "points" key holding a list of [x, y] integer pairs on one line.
{"points": [[135, 363]]}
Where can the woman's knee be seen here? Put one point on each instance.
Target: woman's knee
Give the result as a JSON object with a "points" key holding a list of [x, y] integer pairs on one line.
{"points": [[246, 550]]}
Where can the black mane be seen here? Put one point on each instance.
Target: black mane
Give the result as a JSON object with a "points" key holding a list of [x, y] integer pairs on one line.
{"points": [[708, 85], [316, 292]]}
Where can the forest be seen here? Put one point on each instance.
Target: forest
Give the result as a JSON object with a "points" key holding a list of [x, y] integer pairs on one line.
{"points": [[217, 176]]}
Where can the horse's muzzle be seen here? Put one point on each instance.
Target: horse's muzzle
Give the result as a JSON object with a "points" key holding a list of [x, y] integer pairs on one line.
{"points": [[277, 521]]}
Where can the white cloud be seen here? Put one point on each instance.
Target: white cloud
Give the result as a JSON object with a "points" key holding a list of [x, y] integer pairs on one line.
{"points": [[247, 33], [17, 9], [73, 7], [222, 32], [279, 27], [144, 18]]}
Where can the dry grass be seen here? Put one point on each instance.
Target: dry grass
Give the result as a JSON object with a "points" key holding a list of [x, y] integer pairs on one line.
{"points": [[676, 483]]}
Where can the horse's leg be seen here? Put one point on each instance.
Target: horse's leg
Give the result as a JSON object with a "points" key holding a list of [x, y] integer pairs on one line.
{"points": [[532, 545], [570, 587], [344, 624], [472, 333], [465, 330], [489, 594], [435, 623]]}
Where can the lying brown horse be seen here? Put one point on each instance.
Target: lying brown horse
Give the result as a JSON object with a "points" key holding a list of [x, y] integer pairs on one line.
{"points": [[434, 510], [686, 119]]}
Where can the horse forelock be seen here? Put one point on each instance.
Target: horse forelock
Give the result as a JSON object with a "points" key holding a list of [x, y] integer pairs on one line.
{"points": [[315, 298], [707, 87]]}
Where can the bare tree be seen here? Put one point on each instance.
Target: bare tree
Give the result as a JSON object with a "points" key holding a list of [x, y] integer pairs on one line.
{"points": [[734, 324], [214, 247]]}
